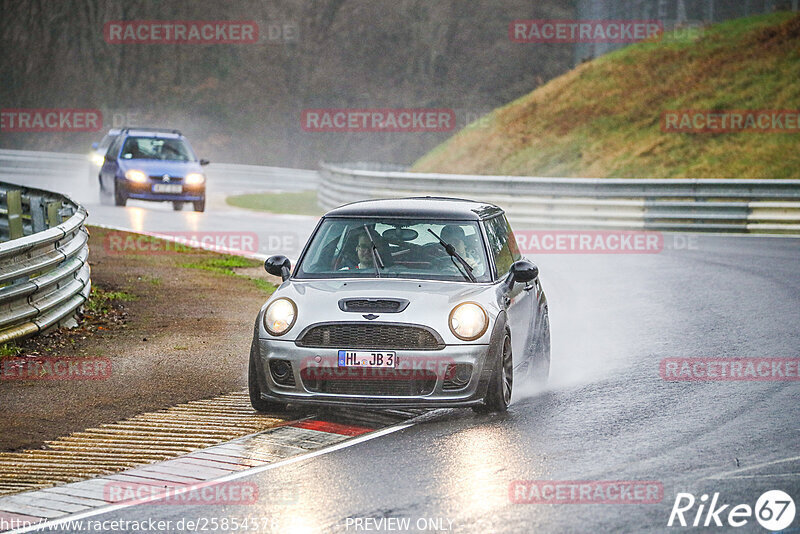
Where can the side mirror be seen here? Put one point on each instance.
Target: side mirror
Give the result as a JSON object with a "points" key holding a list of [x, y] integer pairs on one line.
{"points": [[204, 162], [278, 266], [95, 145], [523, 271]]}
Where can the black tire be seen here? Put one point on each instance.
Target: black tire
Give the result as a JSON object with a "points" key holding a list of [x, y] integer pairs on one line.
{"points": [[200, 205], [501, 385], [105, 197], [177, 205], [540, 362], [120, 198], [259, 404]]}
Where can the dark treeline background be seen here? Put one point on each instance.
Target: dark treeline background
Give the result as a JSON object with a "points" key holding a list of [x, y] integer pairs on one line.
{"points": [[242, 103]]}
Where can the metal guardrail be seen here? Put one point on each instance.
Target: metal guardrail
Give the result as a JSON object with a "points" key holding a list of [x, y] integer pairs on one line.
{"points": [[696, 205], [44, 272]]}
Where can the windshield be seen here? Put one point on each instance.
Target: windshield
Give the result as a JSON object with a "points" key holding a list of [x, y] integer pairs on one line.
{"points": [[106, 142], [156, 148], [343, 248]]}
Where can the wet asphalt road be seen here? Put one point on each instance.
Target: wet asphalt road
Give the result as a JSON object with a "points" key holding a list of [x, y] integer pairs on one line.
{"points": [[277, 234], [606, 415]]}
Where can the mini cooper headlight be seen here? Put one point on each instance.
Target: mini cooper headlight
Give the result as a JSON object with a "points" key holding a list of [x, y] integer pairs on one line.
{"points": [[280, 316], [468, 321], [136, 176]]}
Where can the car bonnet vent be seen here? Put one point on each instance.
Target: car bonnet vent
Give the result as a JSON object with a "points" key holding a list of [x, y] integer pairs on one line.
{"points": [[373, 305]]}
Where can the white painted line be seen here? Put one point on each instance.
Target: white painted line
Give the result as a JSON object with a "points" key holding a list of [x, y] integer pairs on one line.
{"points": [[49, 525], [779, 475], [756, 466]]}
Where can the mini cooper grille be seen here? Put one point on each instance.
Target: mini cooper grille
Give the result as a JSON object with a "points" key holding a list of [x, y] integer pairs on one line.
{"points": [[373, 305], [385, 385], [386, 336]]}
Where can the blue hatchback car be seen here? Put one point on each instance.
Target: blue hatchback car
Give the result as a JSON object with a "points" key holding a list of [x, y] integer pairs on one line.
{"points": [[152, 165]]}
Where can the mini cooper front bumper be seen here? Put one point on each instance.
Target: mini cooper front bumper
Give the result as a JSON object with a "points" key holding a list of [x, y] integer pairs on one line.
{"points": [[452, 375]]}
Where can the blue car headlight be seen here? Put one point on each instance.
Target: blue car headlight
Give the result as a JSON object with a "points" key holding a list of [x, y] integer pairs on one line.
{"points": [[136, 176], [194, 178]]}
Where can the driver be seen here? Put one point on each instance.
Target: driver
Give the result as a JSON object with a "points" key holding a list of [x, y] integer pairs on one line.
{"points": [[363, 251], [453, 234]]}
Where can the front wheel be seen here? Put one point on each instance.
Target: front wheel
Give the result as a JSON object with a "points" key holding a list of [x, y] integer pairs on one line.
{"points": [[259, 404], [120, 198], [177, 206], [498, 396], [200, 205]]}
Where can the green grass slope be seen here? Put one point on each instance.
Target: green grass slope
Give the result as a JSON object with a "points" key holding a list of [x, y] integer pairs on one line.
{"points": [[603, 119]]}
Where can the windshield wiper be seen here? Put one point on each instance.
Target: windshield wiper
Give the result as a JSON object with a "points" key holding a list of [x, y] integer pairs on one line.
{"points": [[451, 251], [376, 256]]}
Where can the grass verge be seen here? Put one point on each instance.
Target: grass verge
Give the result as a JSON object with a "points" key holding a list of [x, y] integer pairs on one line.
{"points": [[300, 203]]}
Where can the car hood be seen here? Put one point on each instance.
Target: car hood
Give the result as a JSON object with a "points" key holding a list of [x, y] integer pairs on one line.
{"points": [[154, 167], [430, 302]]}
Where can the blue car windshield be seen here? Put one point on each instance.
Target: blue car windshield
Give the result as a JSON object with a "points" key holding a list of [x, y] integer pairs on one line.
{"points": [[165, 149], [394, 248]]}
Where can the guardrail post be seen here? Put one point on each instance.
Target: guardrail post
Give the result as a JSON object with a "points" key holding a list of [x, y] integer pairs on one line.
{"points": [[14, 203], [53, 218], [38, 223]]}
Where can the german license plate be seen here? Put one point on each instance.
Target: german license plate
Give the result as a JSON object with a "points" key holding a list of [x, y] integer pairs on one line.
{"points": [[167, 188], [367, 358]]}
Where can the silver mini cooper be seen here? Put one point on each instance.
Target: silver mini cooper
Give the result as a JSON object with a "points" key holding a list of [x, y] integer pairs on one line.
{"points": [[419, 302]]}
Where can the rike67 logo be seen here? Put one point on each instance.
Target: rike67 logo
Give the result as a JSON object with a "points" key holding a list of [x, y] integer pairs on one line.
{"points": [[774, 510]]}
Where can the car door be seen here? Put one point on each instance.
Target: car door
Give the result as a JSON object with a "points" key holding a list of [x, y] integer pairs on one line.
{"points": [[110, 165], [517, 300]]}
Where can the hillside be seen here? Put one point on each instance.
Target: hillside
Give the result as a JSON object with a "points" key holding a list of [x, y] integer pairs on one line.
{"points": [[604, 118]]}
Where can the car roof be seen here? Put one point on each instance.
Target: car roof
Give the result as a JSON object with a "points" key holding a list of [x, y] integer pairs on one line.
{"points": [[152, 133], [419, 208], [146, 129]]}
